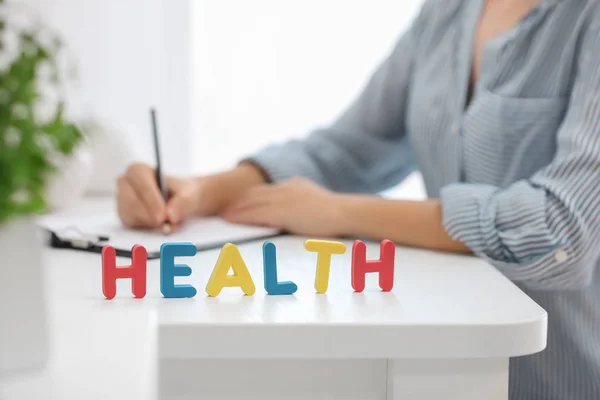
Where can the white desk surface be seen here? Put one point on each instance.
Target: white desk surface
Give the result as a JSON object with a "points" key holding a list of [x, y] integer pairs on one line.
{"points": [[441, 306]]}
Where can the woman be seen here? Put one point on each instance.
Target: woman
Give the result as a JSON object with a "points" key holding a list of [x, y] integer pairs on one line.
{"points": [[498, 104]]}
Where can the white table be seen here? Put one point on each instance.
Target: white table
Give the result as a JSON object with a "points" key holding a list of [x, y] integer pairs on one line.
{"points": [[447, 330]]}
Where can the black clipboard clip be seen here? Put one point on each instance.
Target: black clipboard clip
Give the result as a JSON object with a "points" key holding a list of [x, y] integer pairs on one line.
{"points": [[85, 242]]}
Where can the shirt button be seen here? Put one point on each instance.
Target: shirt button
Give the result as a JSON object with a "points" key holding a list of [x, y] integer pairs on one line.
{"points": [[561, 256]]}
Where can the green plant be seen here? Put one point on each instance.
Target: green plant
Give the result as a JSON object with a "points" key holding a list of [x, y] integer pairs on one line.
{"points": [[31, 139]]}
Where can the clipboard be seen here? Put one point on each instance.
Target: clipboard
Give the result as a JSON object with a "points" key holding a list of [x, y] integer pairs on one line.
{"points": [[91, 234]]}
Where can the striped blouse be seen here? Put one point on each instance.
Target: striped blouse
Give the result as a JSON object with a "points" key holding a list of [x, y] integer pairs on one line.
{"points": [[517, 169]]}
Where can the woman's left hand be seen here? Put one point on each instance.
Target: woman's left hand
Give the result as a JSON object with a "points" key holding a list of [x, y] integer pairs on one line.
{"points": [[296, 206]]}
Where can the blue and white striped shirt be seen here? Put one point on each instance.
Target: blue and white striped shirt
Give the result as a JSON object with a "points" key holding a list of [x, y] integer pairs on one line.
{"points": [[517, 169]]}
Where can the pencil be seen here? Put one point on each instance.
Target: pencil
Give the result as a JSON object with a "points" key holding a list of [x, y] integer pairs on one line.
{"points": [[166, 226]]}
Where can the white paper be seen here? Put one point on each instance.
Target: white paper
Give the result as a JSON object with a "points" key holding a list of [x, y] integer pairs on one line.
{"points": [[205, 232]]}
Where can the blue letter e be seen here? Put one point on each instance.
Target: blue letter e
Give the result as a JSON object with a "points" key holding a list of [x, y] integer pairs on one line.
{"points": [[169, 270], [270, 273]]}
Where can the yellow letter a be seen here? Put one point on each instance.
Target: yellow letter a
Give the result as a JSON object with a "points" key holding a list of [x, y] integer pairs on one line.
{"points": [[230, 257]]}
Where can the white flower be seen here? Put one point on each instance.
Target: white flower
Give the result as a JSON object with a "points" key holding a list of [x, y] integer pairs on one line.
{"points": [[10, 49], [12, 136], [46, 105], [49, 39], [20, 196], [20, 15], [55, 158], [20, 111], [44, 72], [44, 142], [48, 145]]}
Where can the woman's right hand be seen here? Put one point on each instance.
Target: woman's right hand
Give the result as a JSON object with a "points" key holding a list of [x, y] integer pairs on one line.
{"points": [[140, 204]]}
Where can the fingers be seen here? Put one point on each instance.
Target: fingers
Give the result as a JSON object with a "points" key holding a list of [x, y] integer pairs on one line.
{"points": [[128, 207], [257, 207], [142, 180], [264, 215], [179, 208], [173, 185], [184, 199]]}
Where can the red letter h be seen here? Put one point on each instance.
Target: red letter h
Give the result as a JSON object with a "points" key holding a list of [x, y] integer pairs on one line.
{"points": [[384, 266], [136, 271]]}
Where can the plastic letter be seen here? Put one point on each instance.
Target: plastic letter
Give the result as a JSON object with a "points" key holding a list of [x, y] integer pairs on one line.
{"points": [[324, 249], [169, 270], [230, 257], [273, 287], [136, 271], [384, 266]]}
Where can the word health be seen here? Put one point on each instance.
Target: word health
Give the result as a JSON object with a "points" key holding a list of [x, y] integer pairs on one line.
{"points": [[230, 258]]}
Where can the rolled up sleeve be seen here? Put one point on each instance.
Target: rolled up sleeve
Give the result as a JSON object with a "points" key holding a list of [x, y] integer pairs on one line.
{"points": [[543, 231]]}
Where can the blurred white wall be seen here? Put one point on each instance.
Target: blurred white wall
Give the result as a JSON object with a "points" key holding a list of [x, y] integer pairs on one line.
{"points": [[268, 70], [131, 54]]}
